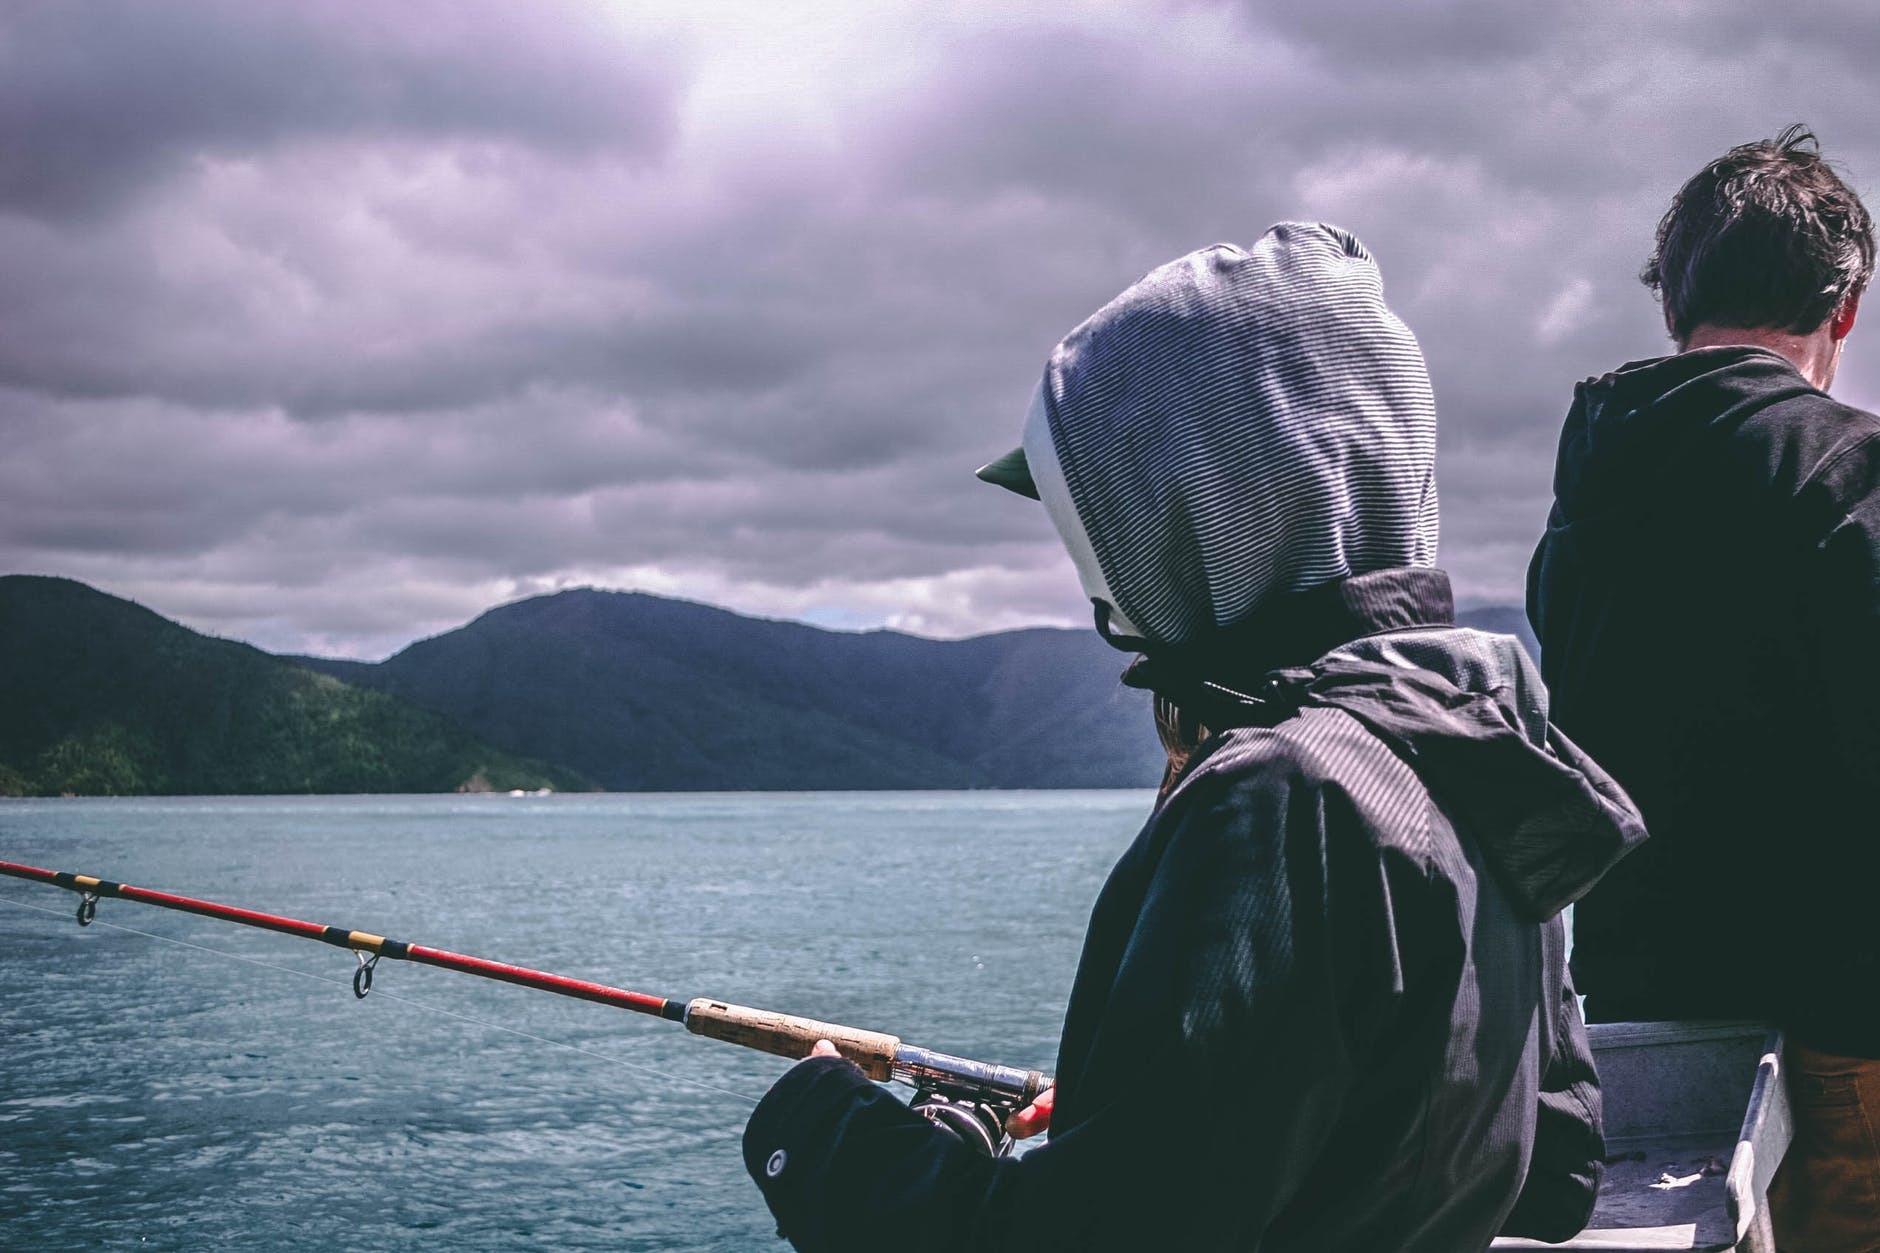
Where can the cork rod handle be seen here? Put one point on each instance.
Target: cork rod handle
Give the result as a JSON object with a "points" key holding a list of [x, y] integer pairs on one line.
{"points": [[789, 1036]]}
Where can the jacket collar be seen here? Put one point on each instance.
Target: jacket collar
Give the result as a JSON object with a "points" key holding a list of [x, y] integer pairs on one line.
{"points": [[1300, 627]]}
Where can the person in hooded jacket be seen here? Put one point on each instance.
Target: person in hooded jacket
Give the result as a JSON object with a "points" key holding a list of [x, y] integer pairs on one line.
{"points": [[1707, 597], [1322, 1002]]}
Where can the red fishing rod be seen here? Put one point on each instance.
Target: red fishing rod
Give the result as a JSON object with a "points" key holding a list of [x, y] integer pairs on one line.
{"points": [[949, 1086]]}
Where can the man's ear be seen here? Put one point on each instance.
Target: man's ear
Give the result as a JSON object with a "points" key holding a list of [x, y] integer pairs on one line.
{"points": [[1843, 320]]}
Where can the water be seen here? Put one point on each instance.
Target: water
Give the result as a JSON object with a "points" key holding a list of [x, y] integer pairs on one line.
{"points": [[161, 1097]]}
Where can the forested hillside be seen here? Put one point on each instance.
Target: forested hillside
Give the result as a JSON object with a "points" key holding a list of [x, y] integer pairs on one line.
{"points": [[100, 696]]}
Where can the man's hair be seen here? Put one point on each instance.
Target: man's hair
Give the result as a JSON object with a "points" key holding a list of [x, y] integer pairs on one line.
{"points": [[1766, 236]]}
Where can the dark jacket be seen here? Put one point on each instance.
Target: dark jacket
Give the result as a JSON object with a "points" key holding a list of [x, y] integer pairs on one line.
{"points": [[1322, 1001], [1707, 598]]}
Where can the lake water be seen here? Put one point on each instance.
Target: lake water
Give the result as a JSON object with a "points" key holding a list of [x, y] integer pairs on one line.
{"points": [[163, 1097]]}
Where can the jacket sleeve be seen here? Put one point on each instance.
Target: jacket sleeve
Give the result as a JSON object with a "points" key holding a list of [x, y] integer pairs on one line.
{"points": [[1225, 1090], [1568, 1160]]}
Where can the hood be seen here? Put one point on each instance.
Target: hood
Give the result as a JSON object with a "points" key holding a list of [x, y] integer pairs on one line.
{"points": [[1629, 432], [1465, 709], [1468, 712], [1236, 425]]}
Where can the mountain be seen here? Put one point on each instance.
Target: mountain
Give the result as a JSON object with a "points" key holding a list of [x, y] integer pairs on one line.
{"points": [[645, 693], [630, 691], [640, 692], [100, 696]]}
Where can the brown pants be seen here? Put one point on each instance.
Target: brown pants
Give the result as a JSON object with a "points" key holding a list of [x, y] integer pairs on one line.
{"points": [[1826, 1194]]}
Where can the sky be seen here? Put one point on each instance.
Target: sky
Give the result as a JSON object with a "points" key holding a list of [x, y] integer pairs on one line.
{"points": [[330, 325]]}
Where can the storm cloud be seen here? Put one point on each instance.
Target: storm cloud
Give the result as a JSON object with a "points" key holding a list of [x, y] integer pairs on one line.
{"points": [[330, 325]]}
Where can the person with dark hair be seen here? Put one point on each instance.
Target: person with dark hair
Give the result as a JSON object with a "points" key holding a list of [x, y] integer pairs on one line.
{"points": [[1707, 597], [1339, 933]]}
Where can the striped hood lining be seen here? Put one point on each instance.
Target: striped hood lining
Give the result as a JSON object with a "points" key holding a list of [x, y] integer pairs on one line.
{"points": [[1235, 425]]}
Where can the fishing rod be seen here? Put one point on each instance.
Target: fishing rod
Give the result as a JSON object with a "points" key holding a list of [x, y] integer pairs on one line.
{"points": [[970, 1098]]}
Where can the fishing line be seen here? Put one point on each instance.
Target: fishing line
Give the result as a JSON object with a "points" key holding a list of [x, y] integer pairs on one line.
{"points": [[436, 1009]]}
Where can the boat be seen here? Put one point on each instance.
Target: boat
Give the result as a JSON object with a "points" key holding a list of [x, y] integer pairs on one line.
{"points": [[1697, 1120]]}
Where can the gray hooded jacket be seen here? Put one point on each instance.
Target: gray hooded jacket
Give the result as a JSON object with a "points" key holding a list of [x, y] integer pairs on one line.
{"points": [[1322, 1002]]}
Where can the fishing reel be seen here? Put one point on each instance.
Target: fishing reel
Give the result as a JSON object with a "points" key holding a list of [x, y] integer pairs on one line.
{"points": [[980, 1124], [968, 1098]]}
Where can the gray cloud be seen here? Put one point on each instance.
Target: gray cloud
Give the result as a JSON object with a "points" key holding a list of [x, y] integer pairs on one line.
{"points": [[329, 325], [98, 102]]}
